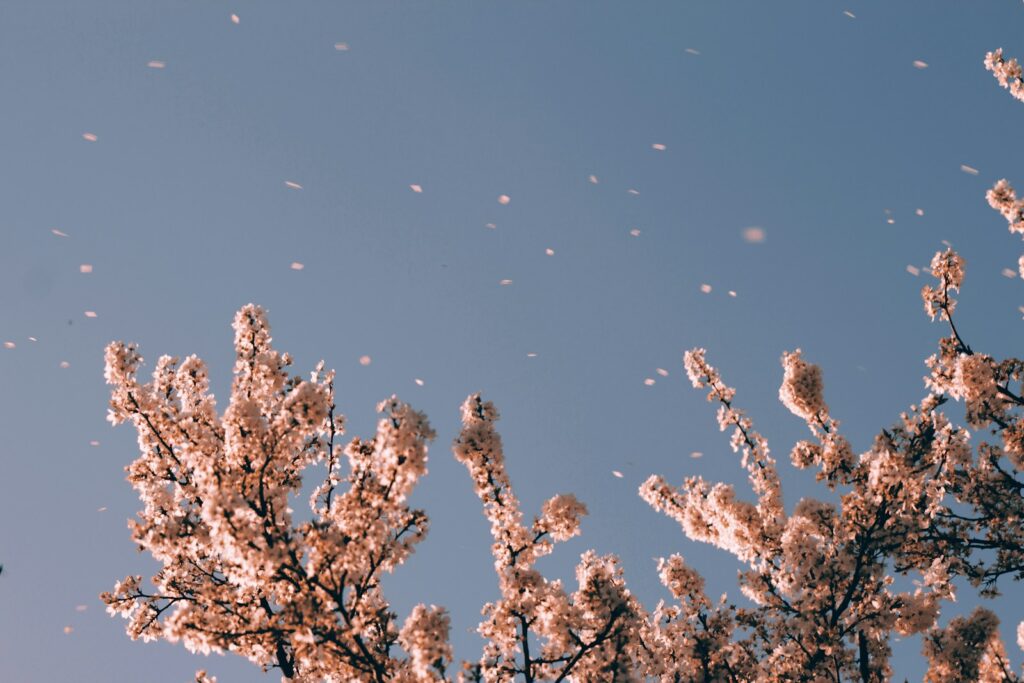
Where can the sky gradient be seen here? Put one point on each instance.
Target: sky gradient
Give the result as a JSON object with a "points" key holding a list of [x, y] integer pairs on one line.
{"points": [[812, 125]]}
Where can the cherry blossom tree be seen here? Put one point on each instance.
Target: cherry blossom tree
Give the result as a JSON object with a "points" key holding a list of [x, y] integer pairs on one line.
{"points": [[593, 634], [985, 537], [818, 577], [928, 500], [238, 573]]}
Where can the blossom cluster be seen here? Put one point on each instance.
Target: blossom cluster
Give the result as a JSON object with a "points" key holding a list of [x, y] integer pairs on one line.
{"points": [[1007, 72], [948, 267]]}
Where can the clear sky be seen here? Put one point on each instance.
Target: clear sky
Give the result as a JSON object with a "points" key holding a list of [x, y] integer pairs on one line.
{"points": [[792, 117]]}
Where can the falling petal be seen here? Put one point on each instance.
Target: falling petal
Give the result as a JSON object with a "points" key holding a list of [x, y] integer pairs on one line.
{"points": [[505, 282], [658, 146], [531, 354], [914, 270], [754, 234], [58, 233], [504, 199], [91, 137], [706, 288], [297, 266], [633, 191], [235, 19], [919, 212], [419, 382], [662, 371], [341, 47], [65, 365], [94, 443], [292, 184], [692, 51], [1009, 272], [696, 454], [90, 314], [549, 251], [416, 188], [593, 179], [732, 293], [156, 64], [492, 226], [649, 382], [635, 232], [968, 169], [918, 64], [849, 14], [9, 345], [85, 268], [365, 360], [617, 474]]}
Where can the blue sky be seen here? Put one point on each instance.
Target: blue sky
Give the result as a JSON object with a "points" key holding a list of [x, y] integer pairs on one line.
{"points": [[792, 117]]}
